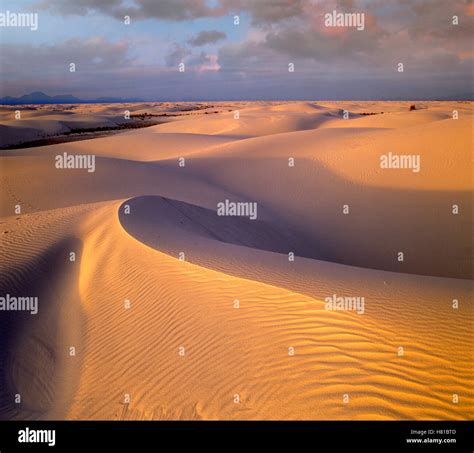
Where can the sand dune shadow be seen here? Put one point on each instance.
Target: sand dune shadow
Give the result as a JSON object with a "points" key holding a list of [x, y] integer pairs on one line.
{"points": [[36, 371], [175, 227]]}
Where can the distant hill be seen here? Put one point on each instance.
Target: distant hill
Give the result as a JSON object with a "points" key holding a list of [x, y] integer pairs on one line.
{"points": [[38, 97]]}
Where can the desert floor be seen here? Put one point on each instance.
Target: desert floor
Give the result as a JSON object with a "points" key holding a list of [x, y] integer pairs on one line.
{"points": [[169, 311]]}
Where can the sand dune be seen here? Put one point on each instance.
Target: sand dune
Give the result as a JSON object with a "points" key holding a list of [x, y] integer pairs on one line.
{"points": [[28, 123], [236, 330]]}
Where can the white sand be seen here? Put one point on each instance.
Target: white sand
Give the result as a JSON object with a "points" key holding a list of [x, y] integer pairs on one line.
{"points": [[228, 351]]}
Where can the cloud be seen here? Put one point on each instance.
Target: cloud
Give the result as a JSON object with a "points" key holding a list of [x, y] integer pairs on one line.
{"points": [[27, 67], [176, 55], [204, 62], [80, 7], [268, 11], [248, 56], [194, 62], [175, 10], [261, 11], [419, 34], [207, 37], [94, 54]]}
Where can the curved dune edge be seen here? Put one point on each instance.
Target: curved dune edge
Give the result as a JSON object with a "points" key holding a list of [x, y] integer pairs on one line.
{"points": [[233, 245], [381, 324]]}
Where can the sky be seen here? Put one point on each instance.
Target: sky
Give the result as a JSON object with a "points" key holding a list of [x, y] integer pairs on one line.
{"points": [[225, 60]]}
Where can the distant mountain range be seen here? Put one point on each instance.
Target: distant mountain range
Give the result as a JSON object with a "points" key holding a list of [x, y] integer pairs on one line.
{"points": [[39, 97]]}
